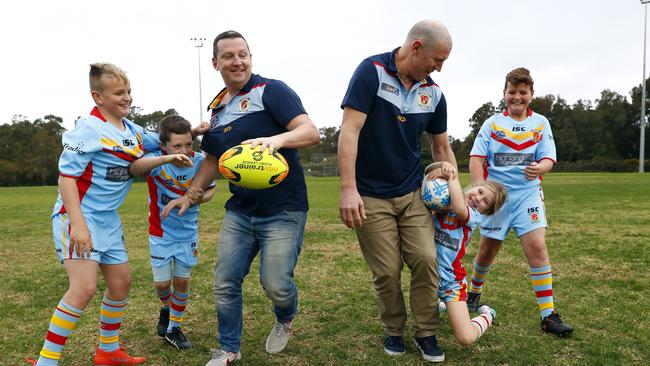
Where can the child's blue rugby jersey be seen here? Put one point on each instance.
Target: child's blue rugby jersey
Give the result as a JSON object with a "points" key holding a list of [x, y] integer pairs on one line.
{"points": [[98, 155], [508, 146]]}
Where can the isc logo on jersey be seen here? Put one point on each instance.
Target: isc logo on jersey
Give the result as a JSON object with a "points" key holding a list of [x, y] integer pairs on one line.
{"points": [[251, 168]]}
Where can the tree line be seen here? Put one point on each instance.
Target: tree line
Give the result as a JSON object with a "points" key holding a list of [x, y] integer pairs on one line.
{"points": [[590, 136]]}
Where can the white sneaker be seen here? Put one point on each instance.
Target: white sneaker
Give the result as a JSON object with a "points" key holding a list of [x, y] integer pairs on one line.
{"points": [[486, 309], [279, 336], [442, 307], [221, 358]]}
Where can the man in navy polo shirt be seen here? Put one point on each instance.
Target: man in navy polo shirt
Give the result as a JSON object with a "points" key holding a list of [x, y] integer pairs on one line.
{"points": [[265, 113], [390, 102]]}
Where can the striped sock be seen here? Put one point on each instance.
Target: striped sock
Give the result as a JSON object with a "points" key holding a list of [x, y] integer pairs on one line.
{"points": [[179, 302], [63, 322], [542, 279], [478, 278], [482, 322], [110, 317], [165, 297]]}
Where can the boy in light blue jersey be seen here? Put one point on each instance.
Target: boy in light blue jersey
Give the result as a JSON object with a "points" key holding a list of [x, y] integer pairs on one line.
{"points": [[453, 231], [174, 240], [94, 180], [516, 148]]}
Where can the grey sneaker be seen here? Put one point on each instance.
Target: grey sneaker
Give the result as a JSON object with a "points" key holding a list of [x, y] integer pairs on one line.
{"points": [[223, 358], [486, 309], [279, 336]]}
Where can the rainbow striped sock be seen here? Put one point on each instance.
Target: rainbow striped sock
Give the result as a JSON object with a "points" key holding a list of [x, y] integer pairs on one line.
{"points": [[179, 302], [542, 279], [164, 296], [110, 317], [63, 322], [478, 278]]}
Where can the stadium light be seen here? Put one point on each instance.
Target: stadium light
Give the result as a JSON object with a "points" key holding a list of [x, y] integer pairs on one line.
{"points": [[198, 43], [642, 122]]}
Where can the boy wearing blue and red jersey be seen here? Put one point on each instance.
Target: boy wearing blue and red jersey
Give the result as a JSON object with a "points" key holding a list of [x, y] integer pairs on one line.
{"points": [[94, 180], [515, 148], [453, 232], [174, 241]]}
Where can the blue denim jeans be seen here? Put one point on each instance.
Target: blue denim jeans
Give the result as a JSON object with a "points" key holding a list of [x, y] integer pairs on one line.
{"points": [[278, 239]]}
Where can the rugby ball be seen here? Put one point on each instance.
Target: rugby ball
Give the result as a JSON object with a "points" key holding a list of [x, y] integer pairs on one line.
{"points": [[435, 194], [252, 168]]}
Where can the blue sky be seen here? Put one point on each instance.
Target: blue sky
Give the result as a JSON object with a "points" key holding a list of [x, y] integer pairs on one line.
{"points": [[574, 49]]}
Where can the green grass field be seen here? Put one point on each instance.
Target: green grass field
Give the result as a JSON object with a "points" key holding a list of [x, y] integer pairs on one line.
{"points": [[598, 239]]}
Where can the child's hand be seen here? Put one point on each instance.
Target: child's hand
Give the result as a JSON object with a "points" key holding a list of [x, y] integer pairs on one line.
{"points": [[532, 171], [180, 160], [81, 240], [448, 170], [182, 202], [201, 129]]}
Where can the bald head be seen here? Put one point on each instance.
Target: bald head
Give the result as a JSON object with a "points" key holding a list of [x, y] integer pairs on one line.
{"points": [[430, 33]]}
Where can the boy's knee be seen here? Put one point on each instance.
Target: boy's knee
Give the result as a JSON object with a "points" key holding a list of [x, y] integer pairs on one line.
{"points": [[181, 283], [465, 339], [162, 286]]}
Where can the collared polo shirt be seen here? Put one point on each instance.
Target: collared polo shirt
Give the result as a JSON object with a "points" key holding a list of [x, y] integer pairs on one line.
{"points": [[388, 155], [263, 107]]}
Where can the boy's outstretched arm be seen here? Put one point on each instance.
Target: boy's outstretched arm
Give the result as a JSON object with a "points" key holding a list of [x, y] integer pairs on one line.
{"points": [[206, 174], [143, 166], [457, 199]]}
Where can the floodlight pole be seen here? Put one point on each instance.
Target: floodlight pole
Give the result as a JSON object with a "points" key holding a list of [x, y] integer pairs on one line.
{"points": [[198, 43], [643, 121]]}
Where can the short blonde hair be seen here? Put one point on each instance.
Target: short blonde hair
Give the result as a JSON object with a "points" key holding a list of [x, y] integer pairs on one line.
{"points": [[497, 188], [100, 72]]}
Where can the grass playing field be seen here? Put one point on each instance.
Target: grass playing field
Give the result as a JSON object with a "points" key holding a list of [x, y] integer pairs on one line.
{"points": [[598, 239]]}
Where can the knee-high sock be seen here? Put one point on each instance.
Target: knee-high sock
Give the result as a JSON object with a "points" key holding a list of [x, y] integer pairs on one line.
{"points": [[482, 322], [177, 310], [110, 316], [542, 280], [63, 322], [478, 278], [164, 296]]}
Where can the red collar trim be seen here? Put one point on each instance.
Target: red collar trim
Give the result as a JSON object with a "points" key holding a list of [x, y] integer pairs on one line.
{"points": [[95, 112], [529, 112]]}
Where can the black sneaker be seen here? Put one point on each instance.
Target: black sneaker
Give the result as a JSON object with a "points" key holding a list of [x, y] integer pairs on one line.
{"points": [[473, 301], [554, 325], [163, 322], [429, 348], [177, 339], [394, 345]]}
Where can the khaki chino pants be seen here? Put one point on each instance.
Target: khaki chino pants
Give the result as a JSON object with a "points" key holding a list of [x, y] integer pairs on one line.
{"points": [[396, 231]]}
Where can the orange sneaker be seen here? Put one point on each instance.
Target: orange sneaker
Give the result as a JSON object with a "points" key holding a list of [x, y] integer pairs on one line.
{"points": [[118, 357]]}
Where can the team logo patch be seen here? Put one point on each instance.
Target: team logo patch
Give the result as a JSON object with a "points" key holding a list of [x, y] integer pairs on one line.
{"points": [[389, 88], [244, 104], [401, 119], [534, 217], [537, 136], [424, 100], [500, 134]]}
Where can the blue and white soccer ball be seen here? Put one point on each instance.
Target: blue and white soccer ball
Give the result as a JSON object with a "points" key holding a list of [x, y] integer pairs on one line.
{"points": [[435, 194]]}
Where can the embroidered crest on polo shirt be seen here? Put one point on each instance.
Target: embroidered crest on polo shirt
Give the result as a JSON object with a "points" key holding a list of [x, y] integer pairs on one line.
{"points": [[424, 100], [244, 104]]}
